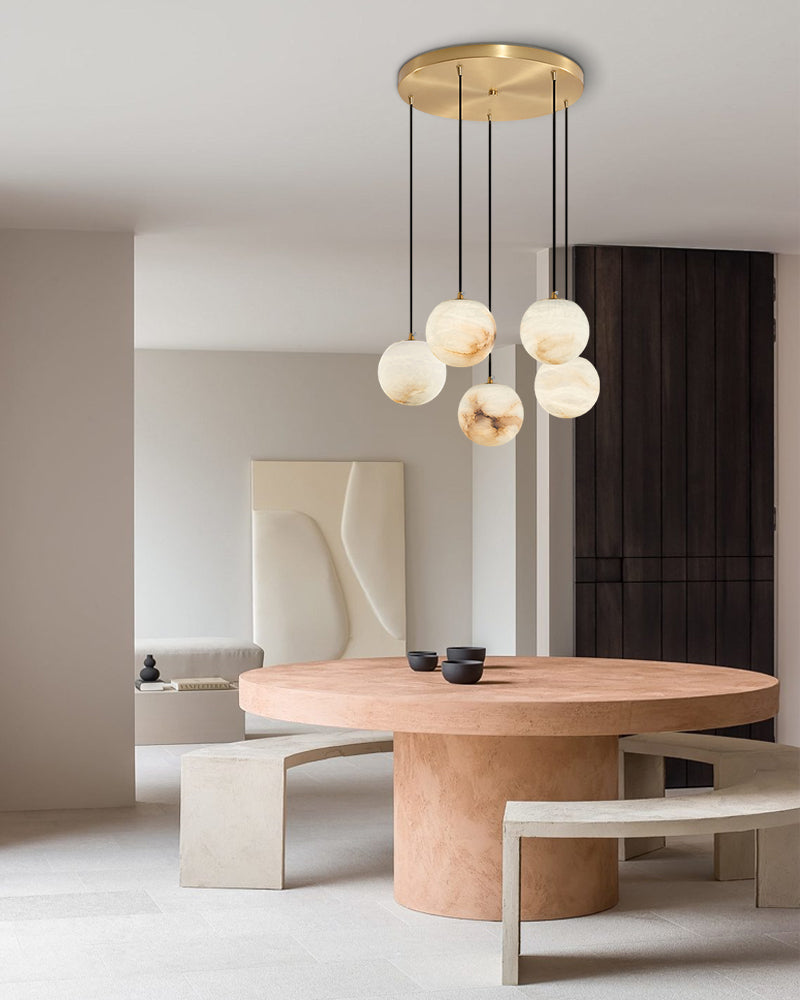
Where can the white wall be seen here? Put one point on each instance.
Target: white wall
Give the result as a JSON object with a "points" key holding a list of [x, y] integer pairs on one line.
{"points": [[504, 521], [788, 490], [201, 416], [66, 505]]}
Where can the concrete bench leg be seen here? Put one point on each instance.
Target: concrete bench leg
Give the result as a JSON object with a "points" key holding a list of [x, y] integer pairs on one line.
{"points": [[232, 823], [641, 777], [511, 909], [778, 872], [734, 853]]}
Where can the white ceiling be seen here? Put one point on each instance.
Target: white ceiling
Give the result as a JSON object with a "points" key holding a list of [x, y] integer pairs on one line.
{"points": [[258, 149]]}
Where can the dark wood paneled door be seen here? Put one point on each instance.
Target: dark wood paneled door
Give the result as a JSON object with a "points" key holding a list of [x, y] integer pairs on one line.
{"points": [[674, 514]]}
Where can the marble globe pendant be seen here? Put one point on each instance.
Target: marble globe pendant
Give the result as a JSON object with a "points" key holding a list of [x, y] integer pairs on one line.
{"points": [[409, 373], [490, 414], [460, 332], [554, 331], [567, 390]]}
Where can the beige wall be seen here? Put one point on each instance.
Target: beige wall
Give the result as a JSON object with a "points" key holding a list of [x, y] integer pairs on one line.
{"points": [[788, 536], [66, 506], [201, 416], [504, 521]]}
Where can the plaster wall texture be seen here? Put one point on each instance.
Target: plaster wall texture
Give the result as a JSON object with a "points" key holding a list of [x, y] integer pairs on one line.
{"points": [[202, 416], [66, 505]]}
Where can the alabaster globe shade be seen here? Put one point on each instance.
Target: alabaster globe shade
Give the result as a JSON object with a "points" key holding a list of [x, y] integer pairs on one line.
{"points": [[567, 390], [410, 374], [554, 331], [460, 332], [490, 414]]}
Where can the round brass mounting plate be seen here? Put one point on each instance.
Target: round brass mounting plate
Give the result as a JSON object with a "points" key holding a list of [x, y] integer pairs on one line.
{"points": [[508, 82]]}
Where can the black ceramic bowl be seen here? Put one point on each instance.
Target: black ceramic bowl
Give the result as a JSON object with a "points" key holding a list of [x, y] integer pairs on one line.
{"points": [[422, 660], [462, 671], [466, 653]]}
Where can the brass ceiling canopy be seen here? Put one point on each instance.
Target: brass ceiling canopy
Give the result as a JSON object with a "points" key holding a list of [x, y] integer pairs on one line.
{"points": [[502, 82]]}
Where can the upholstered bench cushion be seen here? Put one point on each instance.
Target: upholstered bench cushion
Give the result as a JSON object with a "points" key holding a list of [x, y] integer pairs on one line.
{"points": [[202, 656]]}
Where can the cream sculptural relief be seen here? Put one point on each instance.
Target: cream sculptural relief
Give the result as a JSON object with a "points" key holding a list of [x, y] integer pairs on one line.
{"points": [[372, 511], [460, 332], [297, 583], [328, 560]]}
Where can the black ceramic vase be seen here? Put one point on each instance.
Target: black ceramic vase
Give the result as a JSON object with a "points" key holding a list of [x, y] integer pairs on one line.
{"points": [[462, 671], [422, 660], [148, 672]]}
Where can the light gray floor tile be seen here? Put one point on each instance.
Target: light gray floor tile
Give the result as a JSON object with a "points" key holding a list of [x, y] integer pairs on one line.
{"points": [[790, 938], [598, 982], [348, 939], [108, 858], [32, 883], [162, 956], [159, 877], [763, 965], [105, 988], [136, 928], [16, 860], [75, 904], [292, 909], [711, 918], [440, 969], [598, 929], [316, 981], [468, 993], [48, 959], [691, 968]]}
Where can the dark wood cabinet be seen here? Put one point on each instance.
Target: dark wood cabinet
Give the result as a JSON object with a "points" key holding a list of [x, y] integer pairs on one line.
{"points": [[674, 480]]}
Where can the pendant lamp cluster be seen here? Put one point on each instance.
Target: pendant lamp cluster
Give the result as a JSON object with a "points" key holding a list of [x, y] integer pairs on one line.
{"points": [[492, 83]]}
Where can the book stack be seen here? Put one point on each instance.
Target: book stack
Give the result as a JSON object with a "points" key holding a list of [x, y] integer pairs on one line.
{"points": [[201, 684], [187, 684], [151, 685]]}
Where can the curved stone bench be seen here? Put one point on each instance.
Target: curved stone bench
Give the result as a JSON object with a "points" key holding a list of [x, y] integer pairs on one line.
{"points": [[233, 804], [768, 802], [732, 760]]}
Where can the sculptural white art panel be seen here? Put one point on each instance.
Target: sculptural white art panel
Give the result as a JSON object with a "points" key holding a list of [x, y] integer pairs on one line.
{"points": [[328, 559]]}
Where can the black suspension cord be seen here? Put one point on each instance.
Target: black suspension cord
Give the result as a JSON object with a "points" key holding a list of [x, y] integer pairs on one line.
{"points": [[460, 251], [566, 200], [411, 218], [490, 234], [553, 263]]}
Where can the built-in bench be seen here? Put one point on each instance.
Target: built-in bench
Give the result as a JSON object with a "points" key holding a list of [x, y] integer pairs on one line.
{"points": [[233, 804], [193, 716], [199, 656], [768, 802], [732, 760]]}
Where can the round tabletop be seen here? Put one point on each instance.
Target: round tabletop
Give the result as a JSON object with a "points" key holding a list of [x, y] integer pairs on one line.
{"points": [[517, 696]]}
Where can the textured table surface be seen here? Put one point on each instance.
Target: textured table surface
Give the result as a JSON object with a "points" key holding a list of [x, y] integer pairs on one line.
{"points": [[517, 696]]}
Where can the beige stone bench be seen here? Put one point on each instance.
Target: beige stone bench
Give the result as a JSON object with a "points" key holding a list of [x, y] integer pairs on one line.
{"points": [[233, 804], [732, 760], [768, 802]]}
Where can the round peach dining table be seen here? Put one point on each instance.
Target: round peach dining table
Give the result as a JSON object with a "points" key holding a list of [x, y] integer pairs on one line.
{"points": [[534, 728]]}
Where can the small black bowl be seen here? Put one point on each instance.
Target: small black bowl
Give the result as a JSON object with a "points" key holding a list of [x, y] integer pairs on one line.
{"points": [[466, 653], [422, 660], [462, 671]]}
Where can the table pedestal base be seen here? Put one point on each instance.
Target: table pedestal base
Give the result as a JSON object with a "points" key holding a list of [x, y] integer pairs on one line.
{"points": [[449, 797]]}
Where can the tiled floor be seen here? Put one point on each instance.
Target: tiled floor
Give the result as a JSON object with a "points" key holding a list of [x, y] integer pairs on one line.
{"points": [[90, 909]]}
